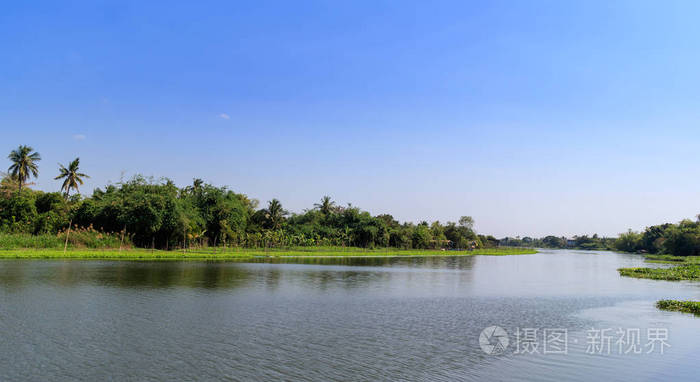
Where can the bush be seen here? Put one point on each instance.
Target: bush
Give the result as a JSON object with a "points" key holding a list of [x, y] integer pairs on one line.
{"points": [[78, 238]]}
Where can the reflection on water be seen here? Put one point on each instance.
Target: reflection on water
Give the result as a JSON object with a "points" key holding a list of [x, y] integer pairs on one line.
{"points": [[327, 318], [212, 275]]}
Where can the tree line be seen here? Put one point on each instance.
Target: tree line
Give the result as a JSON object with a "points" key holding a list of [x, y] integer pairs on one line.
{"points": [[156, 213], [680, 239], [584, 242]]}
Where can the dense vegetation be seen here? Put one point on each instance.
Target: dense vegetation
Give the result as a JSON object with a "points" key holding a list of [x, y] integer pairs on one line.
{"points": [[682, 239], [154, 213]]}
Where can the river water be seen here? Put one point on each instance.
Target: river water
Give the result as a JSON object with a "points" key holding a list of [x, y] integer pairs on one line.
{"points": [[567, 315]]}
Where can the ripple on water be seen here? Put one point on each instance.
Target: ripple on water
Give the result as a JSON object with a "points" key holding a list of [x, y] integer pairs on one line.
{"points": [[331, 319]]}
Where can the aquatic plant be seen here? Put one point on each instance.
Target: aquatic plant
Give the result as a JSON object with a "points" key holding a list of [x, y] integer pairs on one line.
{"points": [[683, 272], [680, 306]]}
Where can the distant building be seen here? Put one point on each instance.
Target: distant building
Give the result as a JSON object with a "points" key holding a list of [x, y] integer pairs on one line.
{"points": [[570, 242]]}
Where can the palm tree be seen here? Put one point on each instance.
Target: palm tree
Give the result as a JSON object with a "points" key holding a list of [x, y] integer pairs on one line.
{"points": [[326, 205], [275, 213], [24, 164], [197, 184], [71, 175]]}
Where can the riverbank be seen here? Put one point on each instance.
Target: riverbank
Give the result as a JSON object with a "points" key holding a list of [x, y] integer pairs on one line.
{"points": [[231, 254]]}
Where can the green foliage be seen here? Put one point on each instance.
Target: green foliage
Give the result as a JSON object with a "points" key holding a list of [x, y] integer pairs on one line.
{"points": [[24, 164], [653, 238], [148, 211], [680, 306], [683, 272], [18, 212], [682, 239], [78, 238], [670, 259], [628, 242], [72, 179], [421, 236], [156, 213], [577, 242], [553, 242], [316, 253]]}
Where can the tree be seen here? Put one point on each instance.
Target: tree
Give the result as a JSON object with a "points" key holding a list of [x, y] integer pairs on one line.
{"points": [[438, 233], [683, 239], [421, 236], [553, 242], [653, 238], [275, 214], [326, 205], [628, 242], [467, 222], [71, 175], [24, 164]]}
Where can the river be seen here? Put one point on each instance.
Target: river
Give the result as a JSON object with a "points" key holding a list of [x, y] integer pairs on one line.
{"points": [[567, 315]]}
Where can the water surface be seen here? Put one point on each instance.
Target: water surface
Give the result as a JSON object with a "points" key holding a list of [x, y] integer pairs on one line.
{"points": [[343, 319]]}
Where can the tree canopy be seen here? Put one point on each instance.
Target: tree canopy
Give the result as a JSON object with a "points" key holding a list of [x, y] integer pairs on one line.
{"points": [[155, 212]]}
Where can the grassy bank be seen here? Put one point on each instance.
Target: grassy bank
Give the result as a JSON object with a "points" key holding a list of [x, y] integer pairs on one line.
{"points": [[680, 306], [224, 254]]}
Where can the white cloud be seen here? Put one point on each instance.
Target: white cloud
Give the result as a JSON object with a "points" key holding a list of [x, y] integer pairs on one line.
{"points": [[79, 137], [224, 116]]}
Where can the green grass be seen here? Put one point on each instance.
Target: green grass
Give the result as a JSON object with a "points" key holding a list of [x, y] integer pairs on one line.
{"points": [[682, 272], [231, 254], [680, 306]]}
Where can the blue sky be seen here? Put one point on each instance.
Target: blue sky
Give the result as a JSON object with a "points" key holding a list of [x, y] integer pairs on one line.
{"points": [[534, 117]]}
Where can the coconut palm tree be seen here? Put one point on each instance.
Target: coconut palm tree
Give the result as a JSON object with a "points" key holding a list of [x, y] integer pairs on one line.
{"points": [[326, 205], [24, 164], [71, 175], [275, 213]]}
